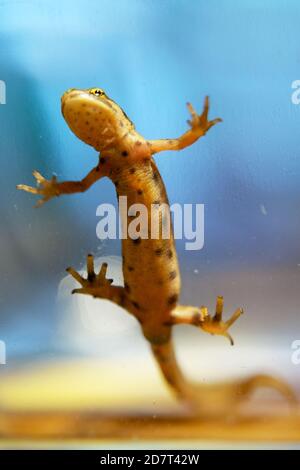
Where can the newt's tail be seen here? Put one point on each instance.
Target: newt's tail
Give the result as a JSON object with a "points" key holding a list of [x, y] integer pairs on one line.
{"points": [[215, 398]]}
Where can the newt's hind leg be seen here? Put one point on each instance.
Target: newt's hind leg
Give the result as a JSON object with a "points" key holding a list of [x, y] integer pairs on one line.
{"points": [[201, 318], [97, 285]]}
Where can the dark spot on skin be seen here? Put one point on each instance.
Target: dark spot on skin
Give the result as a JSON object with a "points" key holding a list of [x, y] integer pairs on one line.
{"points": [[172, 299], [126, 286], [172, 275], [196, 318], [132, 170], [87, 123], [116, 184], [130, 268], [102, 161], [155, 176], [145, 160], [121, 124], [140, 191], [135, 304], [156, 202], [124, 153], [97, 168], [170, 254], [137, 241], [158, 251], [122, 299], [91, 276]]}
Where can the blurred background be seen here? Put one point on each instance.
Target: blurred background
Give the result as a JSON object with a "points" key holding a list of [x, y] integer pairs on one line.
{"points": [[151, 57]]}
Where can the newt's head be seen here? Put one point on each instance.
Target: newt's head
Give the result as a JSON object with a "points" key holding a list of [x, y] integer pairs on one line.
{"points": [[94, 117]]}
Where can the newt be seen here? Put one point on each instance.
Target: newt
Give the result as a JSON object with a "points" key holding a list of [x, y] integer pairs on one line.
{"points": [[150, 268]]}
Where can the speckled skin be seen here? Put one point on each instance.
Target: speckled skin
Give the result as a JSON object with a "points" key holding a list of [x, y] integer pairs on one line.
{"points": [[150, 268], [159, 268], [151, 287]]}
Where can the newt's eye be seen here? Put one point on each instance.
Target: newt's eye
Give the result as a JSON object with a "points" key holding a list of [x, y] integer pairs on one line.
{"points": [[97, 92]]}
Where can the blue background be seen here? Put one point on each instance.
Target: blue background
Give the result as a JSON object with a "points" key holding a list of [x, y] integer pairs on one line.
{"points": [[152, 57]]}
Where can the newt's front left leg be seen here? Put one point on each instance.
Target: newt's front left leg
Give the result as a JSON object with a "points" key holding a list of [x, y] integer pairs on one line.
{"points": [[199, 126]]}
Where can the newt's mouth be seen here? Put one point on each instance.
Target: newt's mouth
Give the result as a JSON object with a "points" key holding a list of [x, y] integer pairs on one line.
{"points": [[82, 96], [69, 95]]}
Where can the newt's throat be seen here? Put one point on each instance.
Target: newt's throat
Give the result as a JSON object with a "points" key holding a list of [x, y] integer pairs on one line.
{"points": [[89, 119]]}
